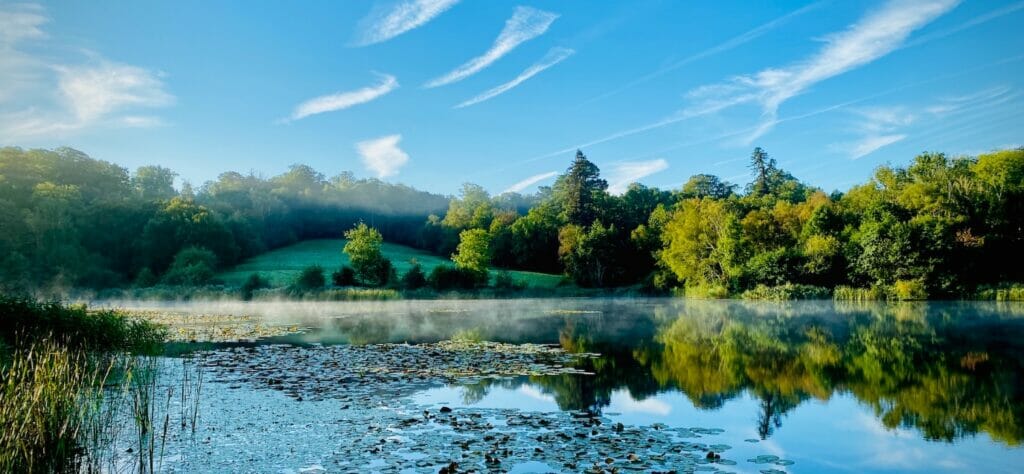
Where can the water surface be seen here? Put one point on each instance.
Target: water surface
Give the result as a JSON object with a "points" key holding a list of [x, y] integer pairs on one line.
{"points": [[822, 386]]}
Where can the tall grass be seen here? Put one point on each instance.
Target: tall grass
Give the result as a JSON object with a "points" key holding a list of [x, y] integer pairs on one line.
{"points": [[1004, 292], [74, 384], [44, 407]]}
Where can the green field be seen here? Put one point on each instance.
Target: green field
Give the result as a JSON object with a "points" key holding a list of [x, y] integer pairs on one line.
{"points": [[283, 265]]}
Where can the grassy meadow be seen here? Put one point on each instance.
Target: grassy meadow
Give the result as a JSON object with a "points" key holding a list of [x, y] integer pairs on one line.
{"points": [[280, 267]]}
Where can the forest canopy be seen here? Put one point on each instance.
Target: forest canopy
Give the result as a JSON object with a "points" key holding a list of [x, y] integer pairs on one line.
{"points": [[939, 227]]}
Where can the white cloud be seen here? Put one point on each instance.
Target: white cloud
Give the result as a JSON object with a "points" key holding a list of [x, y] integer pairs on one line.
{"points": [[43, 98], [874, 36], [532, 392], [555, 56], [344, 100], [628, 172], [877, 127], [525, 24], [727, 45], [382, 155], [94, 92], [526, 183], [383, 25], [21, 22], [984, 98], [870, 144]]}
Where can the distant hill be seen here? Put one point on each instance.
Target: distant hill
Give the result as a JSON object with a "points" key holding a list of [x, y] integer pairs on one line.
{"points": [[282, 266]]}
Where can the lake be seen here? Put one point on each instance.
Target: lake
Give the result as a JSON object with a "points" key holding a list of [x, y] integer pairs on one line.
{"points": [[607, 385]]}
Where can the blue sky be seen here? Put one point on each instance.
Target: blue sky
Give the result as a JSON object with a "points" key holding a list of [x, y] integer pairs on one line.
{"points": [[434, 93]]}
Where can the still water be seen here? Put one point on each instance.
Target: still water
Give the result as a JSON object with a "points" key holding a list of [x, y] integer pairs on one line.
{"points": [[773, 387]]}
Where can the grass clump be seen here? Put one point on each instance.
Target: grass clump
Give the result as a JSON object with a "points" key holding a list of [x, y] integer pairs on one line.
{"points": [[24, 321], [1003, 292], [55, 362], [788, 291]]}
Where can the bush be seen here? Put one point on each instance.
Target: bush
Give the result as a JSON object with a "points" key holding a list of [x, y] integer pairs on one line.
{"points": [[1002, 292], [24, 322], [504, 281], [414, 279], [909, 290], [146, 278], [253, 283], [446, 277], [788, 291], [311, 278], [344, 277], [707, 291], [848, 293], [192, 266]]}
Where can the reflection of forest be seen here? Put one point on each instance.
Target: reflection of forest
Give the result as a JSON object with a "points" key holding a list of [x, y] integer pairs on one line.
{"points": [[949, 370]]}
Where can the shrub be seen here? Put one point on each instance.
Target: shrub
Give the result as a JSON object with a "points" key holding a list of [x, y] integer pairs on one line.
{"points": [[788, 291], [344, 277], [192, 266], [414, 279], [1003, 292], [446, 277], [311, 278], [707, 291], [253, 283], [849, 293], [24, 322], [909, 290], [146, 278], [504, 281]]}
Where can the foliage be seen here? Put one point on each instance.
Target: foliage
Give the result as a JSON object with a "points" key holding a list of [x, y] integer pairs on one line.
{"points": [[311, 278], [580, 191], [346, 276], [192, 266], [414, 279], [71, 221], [473, 253], [24, 322], [446, 277], [253, 283], [788, 291], [1003, 292], [909, 290], [701, 244], [364, 253]]}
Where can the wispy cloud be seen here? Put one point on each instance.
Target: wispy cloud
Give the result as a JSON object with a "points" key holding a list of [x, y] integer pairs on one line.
{"points": [[731, 43], [382, 155], [987, 97], [532, 180], [625, 173], [555, 56], [383, 24], [874, 36], [20, 22], [877, 127], [96, 91], [978, 20], [344, 100], [525, 24], [41, 98]]}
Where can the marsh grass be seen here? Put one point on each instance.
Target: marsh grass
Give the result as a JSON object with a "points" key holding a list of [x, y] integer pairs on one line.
{"points": [[77, 385]]}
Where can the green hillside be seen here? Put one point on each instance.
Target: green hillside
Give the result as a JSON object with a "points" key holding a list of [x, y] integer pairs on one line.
{"points": [[281, 266]]}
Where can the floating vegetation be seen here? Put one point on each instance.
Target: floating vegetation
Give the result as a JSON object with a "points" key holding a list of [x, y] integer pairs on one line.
{"points": [[196, 327], [360, 394], [318, 372]]}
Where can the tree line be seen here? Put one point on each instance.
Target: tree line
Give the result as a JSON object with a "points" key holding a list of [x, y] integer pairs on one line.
{"points": [[70, 221], [940, 227]]}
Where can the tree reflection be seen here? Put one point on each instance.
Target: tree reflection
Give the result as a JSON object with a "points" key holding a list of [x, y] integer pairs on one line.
{"points": [[947, 370]]}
